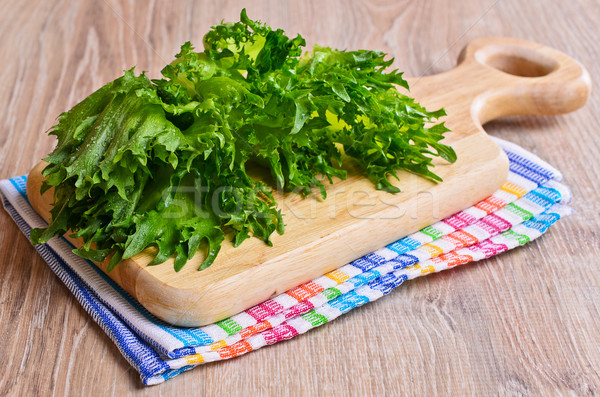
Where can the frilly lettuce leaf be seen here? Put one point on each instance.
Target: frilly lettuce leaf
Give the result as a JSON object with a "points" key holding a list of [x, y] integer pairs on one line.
{"points": [[162, 163]]}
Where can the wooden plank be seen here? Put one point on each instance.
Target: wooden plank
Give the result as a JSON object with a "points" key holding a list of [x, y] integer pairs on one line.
{"points": [[322, 235], [523, 323]]}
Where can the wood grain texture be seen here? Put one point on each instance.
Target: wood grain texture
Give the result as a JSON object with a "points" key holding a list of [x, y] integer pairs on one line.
{"points": [[523, 323], [495, 77]]}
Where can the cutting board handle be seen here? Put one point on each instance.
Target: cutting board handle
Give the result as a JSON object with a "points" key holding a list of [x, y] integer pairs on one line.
{"points": [[517, 77]]}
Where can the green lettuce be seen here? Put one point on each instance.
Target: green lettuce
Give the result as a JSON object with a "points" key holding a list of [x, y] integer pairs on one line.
{"points": [[162, 163]]}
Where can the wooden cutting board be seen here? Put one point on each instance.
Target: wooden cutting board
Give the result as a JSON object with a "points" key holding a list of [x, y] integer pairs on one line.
{"points": [[495, 77]]}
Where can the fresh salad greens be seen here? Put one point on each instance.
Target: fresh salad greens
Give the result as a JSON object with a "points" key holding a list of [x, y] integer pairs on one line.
{"points": [[162, 163]]}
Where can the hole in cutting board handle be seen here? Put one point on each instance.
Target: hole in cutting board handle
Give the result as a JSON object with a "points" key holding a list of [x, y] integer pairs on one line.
{"points": [[516, 60], [518, 77]]}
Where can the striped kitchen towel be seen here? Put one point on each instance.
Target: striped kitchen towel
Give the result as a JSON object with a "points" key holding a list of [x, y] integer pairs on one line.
{"points": [[529, 202]]}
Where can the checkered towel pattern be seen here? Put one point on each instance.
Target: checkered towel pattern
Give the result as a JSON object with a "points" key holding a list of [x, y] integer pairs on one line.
{"points": [[529, 202]]}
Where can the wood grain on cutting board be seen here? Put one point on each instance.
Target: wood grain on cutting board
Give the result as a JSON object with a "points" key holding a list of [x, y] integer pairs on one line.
{"points": [[495, 77]]}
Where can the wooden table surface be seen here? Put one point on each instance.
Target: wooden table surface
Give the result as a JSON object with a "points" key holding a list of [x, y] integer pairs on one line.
{"points": [[526, 322]]}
